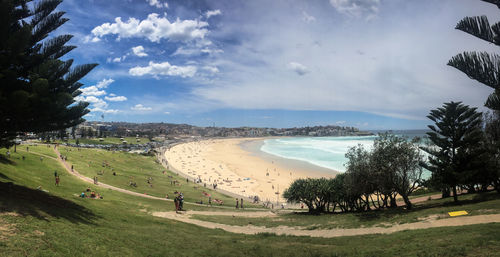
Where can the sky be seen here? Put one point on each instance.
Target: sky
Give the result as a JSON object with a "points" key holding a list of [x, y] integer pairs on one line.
{"points": [[371, 64]]}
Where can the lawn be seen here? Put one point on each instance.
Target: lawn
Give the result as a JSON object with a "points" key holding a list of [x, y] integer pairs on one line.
{"points": [[58, 223], [107, 141], [474, 204], [130, 167]]}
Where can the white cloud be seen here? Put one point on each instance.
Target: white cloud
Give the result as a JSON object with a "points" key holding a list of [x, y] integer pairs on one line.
{"points": [[117, 59], [111, 111], [157, 3], [140, 107], [154, 28], [211, 13], [139, 51], [114, 98], [165, 69], [308, 18], [92, 91], [211, 69], [298, 68], [357, 8], [340, 122], [104, 83], [167, 113], [94, 101]]}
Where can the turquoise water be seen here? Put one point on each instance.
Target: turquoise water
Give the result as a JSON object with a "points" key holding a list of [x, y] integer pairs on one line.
{"points": [[326, 152]]}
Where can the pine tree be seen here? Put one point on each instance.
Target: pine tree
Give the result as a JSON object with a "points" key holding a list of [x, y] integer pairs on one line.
{"points": [[37, 89], [456, 151], [482, 67]]}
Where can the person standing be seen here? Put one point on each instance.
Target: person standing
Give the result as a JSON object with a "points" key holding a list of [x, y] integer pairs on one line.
{"points": [[176, 202], [237, 203], [57, 180], [241, 203], [181, 202]]}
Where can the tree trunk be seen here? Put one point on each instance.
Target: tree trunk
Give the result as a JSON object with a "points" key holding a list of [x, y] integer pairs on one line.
{"points": [[445, 193], [393, 202], [455, 197], [407, 202]]}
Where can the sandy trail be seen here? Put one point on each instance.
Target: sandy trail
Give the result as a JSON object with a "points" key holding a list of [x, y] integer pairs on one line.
{"points": [[284, 230]]}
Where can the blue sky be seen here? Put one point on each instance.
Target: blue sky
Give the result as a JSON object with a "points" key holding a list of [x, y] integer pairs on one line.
{"points": [[372, 64]]}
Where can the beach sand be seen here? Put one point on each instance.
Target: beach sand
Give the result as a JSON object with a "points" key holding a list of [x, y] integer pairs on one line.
{"points": [[238, 166]]}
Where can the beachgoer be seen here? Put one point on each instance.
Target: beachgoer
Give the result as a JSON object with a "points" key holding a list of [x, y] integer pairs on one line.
{"points": [[82, 195], [92, 195], [57, 181], [241, 203], [55, 173], [176, 202], [237, 206], [181, 202]]}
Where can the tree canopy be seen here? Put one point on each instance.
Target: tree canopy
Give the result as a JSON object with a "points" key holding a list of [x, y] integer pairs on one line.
{"points": [[481, 66], [37, 88]]}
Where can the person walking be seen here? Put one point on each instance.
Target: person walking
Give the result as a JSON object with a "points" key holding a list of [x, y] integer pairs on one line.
{"points": [[237, 203]]}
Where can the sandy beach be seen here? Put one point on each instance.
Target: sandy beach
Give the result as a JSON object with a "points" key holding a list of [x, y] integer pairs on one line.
{"points": [[236, 165]]}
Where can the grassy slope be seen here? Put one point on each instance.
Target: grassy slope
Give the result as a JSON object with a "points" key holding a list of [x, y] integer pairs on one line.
{"points": [[60, 224], [136, 168], [107, 141], [474, 204]]}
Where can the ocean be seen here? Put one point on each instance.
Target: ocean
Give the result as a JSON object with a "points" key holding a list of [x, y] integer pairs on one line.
{"points": [[326, 152]]}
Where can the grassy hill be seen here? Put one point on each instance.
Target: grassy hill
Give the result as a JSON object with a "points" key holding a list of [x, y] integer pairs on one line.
{"points": [[59, 223]]}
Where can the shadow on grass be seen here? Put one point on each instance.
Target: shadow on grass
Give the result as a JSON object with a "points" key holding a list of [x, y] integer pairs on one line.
{"points": [[5, 160], [39, 204]]}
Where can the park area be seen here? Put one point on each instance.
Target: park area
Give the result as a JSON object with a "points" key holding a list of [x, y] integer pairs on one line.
{"points": [[40, 218]]}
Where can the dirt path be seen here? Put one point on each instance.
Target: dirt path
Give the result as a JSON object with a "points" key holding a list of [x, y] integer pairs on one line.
{"points": [[284, 230]]}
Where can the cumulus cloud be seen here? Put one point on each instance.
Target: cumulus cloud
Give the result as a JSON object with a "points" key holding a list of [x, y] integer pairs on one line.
{"points": [[157, 3], [140, 107], [164, 69], [139, 51], [357, 8], [298, 68], [92, 91], [113, 98], [104, 83], [154, 28], [117, 59], [94, 101], [211, 13]]}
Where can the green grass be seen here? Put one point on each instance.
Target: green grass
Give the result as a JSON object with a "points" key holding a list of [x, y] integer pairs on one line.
{"points": [[137, 168], [474, 204], [106, 141], [58, 223]]}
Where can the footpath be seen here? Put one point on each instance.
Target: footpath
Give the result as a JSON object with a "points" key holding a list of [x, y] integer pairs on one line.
{"points": [[186, 217]]}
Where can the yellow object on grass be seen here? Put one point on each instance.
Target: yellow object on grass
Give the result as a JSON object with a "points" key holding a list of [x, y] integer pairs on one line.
{"points": [[457, 213]]}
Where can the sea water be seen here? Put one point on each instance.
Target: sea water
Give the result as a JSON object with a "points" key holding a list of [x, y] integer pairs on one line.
{"points": [[326, 152]]}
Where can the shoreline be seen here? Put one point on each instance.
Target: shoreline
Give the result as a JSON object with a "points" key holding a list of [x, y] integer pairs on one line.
{"points": [[238, 166]]}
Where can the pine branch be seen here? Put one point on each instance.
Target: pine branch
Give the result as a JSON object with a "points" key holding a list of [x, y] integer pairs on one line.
{"points": [[47, 25], [477, 26], [54, 45], [79, 72], [43, 9], [495, 2], [493, 101], [482, 67]]}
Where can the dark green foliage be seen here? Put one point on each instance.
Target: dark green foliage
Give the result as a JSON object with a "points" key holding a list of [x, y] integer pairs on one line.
{"points": [[37, 89], [391, 168], [483, 67], [454, 157]]}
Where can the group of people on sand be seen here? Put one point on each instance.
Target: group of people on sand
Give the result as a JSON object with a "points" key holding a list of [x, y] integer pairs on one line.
{"points": [[89, 193]]}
